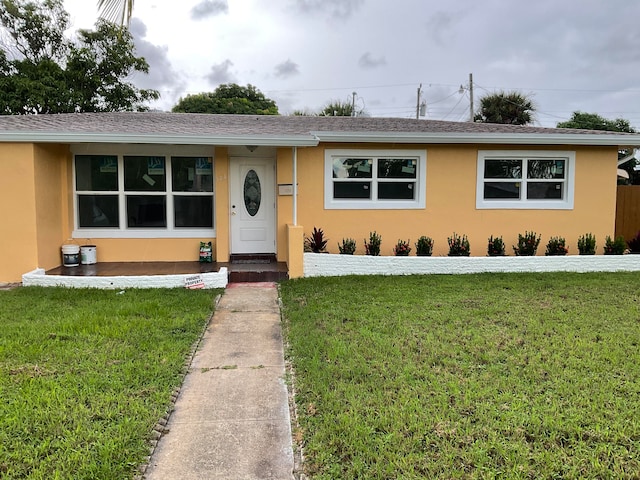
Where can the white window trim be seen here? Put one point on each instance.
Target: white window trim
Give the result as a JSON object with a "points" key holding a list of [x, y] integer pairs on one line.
{"points": [[120, 151], [374, 204], [566, 203]]}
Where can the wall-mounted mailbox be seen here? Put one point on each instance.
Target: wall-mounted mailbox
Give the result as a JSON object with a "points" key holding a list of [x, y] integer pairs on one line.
{"points": [[285, 189]]}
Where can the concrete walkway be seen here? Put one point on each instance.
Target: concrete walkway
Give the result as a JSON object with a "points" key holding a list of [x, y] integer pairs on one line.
{"points": [[231, 419]]}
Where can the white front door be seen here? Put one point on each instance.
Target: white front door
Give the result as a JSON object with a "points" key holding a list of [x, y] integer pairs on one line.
{"points": [[253, 209]]}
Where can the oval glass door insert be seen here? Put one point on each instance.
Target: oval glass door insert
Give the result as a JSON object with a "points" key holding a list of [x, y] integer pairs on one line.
{"points": [[252, 192]]}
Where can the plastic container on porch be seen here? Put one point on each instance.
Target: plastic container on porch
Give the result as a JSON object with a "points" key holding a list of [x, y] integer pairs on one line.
{"points": [[70, 255], [88, 254]]}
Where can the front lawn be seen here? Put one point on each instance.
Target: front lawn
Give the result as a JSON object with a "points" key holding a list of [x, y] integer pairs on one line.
{"points": [[86, 374], [515, 376]]}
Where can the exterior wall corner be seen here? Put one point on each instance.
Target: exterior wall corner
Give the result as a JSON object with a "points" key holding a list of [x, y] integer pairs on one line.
{"points": [[295, 250]]}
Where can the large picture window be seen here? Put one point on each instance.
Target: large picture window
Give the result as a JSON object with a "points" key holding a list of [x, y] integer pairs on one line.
{"points": [[374, 179], [519, 179], [144, 195]]}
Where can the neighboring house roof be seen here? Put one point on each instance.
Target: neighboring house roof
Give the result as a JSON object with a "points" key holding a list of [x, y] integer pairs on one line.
{"points": [[277, 130]]}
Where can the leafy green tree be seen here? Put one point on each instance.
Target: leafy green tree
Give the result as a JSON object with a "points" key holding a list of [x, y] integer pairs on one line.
{"points": [[98, 66], [593, 121], [511, 108], [36, 29], [228, 99], [41, 71]]}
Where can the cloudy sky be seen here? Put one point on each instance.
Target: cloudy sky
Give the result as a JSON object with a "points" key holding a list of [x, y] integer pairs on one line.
{"points": [[566, 54]]}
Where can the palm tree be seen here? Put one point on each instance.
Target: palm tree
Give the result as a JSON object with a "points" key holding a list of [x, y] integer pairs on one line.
{"points": [[337, 108], [512, 108], [118, 11]]}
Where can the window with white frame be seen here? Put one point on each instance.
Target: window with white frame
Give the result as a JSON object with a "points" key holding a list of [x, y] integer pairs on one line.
{"points": [[374, 179], [525, 179], [141, 195]]}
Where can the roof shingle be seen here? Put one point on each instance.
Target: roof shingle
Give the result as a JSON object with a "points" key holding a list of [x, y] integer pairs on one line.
{"points": [[189, 125]]}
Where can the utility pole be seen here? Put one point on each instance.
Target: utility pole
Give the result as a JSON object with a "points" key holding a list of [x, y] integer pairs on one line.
{"points": [[353, 104], [471, 97], [418, 102]]}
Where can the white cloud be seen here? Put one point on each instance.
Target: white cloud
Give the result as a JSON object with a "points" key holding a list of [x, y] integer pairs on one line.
{"points": [[162, 76], [574, 54]]}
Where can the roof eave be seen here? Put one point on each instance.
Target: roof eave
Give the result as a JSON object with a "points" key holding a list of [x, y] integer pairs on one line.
{"points": [[483, 138], [313, 138], [173, 139]]}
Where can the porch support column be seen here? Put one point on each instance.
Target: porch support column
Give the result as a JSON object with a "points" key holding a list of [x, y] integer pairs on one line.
{"points": [[295, 251], [295, 234], [294, 174]]}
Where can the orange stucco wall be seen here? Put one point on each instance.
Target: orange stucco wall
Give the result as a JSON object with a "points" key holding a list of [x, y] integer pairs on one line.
{"points": [[221, 188], [451, 203], [33, 190], [36, 192], [51, 177], [284, 203], [146, 249], [18, 242]]}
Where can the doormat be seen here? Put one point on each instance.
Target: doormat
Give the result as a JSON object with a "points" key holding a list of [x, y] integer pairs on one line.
{"points": [[251, 260]]}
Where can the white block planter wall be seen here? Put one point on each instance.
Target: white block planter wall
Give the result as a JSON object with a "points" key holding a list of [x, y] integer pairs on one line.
{"points": [[38, 278], [331, 265]]}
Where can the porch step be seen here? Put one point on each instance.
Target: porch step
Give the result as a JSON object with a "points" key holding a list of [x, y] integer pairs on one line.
{"points": [[254, 258], [256, 268]]}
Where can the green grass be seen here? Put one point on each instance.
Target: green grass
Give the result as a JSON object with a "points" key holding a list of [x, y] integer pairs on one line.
{"points": [[86, 374], [512, 376]]}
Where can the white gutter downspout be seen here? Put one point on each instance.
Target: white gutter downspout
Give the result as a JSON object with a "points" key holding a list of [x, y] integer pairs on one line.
{"points": [[294, 186]]}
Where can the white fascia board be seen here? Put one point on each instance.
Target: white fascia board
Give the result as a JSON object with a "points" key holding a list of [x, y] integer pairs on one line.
{"points": [[483, 138], [257, 140]]}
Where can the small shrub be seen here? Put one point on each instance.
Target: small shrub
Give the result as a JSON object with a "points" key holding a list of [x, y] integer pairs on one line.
{"points": [[458, 246], [527, 244], [614, 247], [587, 244], [495, 247], [402, 249], [556, 246], [634, 244], [424, 246], [316, 242], [348, 246], [373, 247]]}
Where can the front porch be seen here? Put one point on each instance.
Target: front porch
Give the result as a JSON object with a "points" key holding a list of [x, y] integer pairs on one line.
{"points": [[159, 274]]}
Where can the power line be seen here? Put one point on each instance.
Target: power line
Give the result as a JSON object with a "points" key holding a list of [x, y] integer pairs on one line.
{"points": [[405, 109], [454, 107]]}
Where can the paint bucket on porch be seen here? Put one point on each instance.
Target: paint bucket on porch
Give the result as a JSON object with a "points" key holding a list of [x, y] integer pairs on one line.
{"points": [[88, 254], [70, 255]]}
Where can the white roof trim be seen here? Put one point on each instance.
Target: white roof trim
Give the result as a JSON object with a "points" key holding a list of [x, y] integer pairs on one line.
{"points": [[173, 139], [315, 137], [484, 138]]}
